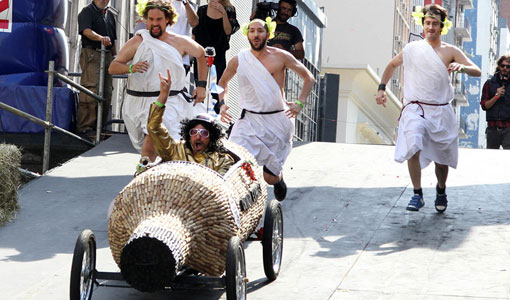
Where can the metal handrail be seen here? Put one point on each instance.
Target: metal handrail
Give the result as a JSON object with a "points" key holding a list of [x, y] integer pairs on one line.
{"points": [[48, 126], [76, 85], [78, 74]]}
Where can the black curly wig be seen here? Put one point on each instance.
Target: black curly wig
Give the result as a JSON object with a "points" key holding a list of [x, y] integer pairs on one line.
{"points": [[215, 133]]}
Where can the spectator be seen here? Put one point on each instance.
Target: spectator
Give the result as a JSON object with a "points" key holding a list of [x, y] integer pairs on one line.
{"points": [[187, 19], [216, 23], [96, 26], [496, 102], [287, 36]]}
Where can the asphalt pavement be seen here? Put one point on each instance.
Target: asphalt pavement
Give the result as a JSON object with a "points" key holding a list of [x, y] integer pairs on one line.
{"points": [[347, 234]]}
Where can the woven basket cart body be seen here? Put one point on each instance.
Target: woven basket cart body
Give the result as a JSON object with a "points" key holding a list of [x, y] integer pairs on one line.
{"points": [[183, 214]]}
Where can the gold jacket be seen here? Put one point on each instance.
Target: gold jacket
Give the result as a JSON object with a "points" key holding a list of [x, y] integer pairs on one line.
{"points": [[169, 149]]}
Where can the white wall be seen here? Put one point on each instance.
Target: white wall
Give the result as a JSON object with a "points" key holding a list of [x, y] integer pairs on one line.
{"points": [[358, 32], [483, 42], [504, 41]]}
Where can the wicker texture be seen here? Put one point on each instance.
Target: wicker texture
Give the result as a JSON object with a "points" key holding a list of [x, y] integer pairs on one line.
{"points": [[188, 207]]}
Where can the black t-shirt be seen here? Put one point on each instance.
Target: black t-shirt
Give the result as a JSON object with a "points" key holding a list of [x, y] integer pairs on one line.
{"points": [[210, 33], [93, 18], [286, 35]]}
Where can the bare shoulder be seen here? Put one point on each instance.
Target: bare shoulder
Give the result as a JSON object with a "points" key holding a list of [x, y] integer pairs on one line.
{"points": [[449, 48], [176, 37], [133, 43], [234, 61], [279, 53], [136, 39]]}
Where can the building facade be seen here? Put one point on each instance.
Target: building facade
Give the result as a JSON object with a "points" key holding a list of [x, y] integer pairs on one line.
{"points": [[358, 47], [348, 51], [483, 50], [310, 20]]}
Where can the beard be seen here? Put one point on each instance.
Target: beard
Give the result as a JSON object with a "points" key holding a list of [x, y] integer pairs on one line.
{"points": [[282, 18], [260, 47], [156, 35]]}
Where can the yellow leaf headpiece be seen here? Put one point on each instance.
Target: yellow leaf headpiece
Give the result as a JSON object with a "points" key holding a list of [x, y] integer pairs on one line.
{"points": [[271, 26], [418, 16], [141, 6]]}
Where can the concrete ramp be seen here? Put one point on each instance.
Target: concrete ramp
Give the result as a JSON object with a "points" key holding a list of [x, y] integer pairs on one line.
{"points": [[347, 233]]}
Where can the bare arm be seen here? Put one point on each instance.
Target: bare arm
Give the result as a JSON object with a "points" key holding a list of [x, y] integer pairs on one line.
{"points": [[463, 64], [93, 36], [194, 49], [388, 72], [191, 14], [229, 72], [299, 51], [308, 81], [119, 65]]}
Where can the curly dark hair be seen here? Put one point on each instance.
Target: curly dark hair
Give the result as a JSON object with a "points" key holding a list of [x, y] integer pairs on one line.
{"points": [[435, 9], [215, 133], [500, 61], [291, 2], [165, 6]]}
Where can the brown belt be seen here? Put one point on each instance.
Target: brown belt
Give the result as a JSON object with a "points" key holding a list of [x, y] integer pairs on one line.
{"points": [[420, 105]]}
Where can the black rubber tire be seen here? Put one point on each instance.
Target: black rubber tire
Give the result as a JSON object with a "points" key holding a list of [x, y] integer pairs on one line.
{"points": [[84, 264], [272, 240], [235, 272]]}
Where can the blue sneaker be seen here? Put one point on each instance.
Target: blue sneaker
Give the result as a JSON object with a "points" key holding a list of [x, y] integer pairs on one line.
{"points": [[441, 203], [416, 203]]}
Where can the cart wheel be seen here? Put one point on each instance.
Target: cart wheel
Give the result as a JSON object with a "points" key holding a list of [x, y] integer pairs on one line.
{"points": [[235, 270], [272, 241], [84, 266]]}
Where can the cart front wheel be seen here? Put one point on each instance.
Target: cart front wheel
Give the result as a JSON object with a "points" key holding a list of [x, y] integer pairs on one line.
{"points": [[84, 266], [272, 240], [235, 273]]}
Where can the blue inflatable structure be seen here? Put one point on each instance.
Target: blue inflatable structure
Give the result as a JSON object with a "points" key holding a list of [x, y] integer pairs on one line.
{"points": [[31, 34]]}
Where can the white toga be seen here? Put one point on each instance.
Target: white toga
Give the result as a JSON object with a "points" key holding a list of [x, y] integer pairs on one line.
{"points": [[426, 79], [160, 56], [267, 136]]}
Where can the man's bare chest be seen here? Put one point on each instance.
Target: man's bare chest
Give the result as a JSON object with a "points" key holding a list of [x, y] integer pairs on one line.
{"points": [[274, 67], [175, 43], [445, 55]]}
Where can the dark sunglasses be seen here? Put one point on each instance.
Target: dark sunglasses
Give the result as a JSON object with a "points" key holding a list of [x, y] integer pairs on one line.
{"points": [[504, 66], [202, 132]]}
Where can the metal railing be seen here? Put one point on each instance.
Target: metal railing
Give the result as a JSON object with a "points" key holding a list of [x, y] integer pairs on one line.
{"points": [[48, 126], [306, 127]]}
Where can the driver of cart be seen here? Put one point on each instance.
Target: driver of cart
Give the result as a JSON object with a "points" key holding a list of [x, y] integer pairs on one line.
{"points": [[201, 136]]}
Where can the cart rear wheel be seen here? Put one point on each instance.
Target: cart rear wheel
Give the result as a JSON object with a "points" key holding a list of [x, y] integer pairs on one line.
{"points": [[235, 273], [272, 241], [84, 266]]}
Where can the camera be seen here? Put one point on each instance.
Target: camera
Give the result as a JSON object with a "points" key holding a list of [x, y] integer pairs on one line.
{"points": [[266, 9], [210, 52]]}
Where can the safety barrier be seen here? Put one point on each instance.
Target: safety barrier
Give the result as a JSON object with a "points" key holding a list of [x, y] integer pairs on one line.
{"points": [[52, 74]]}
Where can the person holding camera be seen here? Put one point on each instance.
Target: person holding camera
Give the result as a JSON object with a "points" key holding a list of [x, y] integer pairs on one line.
{"points": [[287, 36], [496, 102]]}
